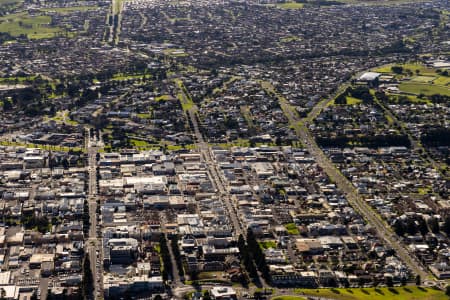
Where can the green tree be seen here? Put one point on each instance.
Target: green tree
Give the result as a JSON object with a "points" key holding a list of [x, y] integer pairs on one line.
{"points": [[206, 296], [434, 225], [87, 285], [7, 105], [397, 69], [399, 227], [389, 281], [341, 99], [446, 227], [423, 228]]}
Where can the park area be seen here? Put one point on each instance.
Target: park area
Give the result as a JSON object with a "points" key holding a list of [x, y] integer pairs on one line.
{"points": [[38, 24], [380, 293], [34, 27], [418, 79]]}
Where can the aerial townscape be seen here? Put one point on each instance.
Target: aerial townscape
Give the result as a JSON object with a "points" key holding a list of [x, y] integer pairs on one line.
{"points": [[225, 149]]}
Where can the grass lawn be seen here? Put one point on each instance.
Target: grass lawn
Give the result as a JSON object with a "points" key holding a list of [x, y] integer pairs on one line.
{"points": [[62, 117], [289, 5], [384, 2], [351, 101], [419, 67], [179, 147], [139, 143], [292, 229], [35, 27], [423, 190], [40, 146], [64, 10], [209, 275], [289, 39], [225, 85], [267, 244], [14, 80], [426, 89], [163, 98], [185, 105], [235, 143], [175, 52], [7, 2], [410, 66], [397, 293], [183, 96], [144, 116], [423, 79], [288, 298], [442, 80]]}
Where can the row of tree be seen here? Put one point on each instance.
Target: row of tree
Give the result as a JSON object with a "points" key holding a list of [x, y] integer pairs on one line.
{"points": [[436, 137], [374, 141], [258, 255], [177, 254], [412, 226], [360, 92], [87, 285], [247, 259], [167, 262], [41, 223]]}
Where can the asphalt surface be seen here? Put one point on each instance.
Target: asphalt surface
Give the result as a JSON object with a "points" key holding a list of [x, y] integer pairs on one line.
{"points": [[93, 244]]}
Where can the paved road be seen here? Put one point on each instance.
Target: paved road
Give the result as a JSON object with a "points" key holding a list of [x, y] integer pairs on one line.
{"points": [[415, 144], [93, 244], [176, 279], [215, 173], [384, 231], [217, 178]]}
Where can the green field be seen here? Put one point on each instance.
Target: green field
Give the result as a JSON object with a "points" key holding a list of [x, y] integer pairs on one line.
{"points": [[442, 80], [353, 101], [397, 293], [413, 67], [34, 27], [144, 116], [163, 98], [41, 146], [289, 39], [64, 10], [234, 143], [292, 229], [380, 2], [8, 2], [289, 5], [288, 298], [121, 77], [423, 79], [175, 52], [268, 244], [426, 89]]}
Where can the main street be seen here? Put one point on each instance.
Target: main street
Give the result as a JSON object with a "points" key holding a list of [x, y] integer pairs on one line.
{"points": [[93, 246], [213, 170], [357, 202], [216, 177]]}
